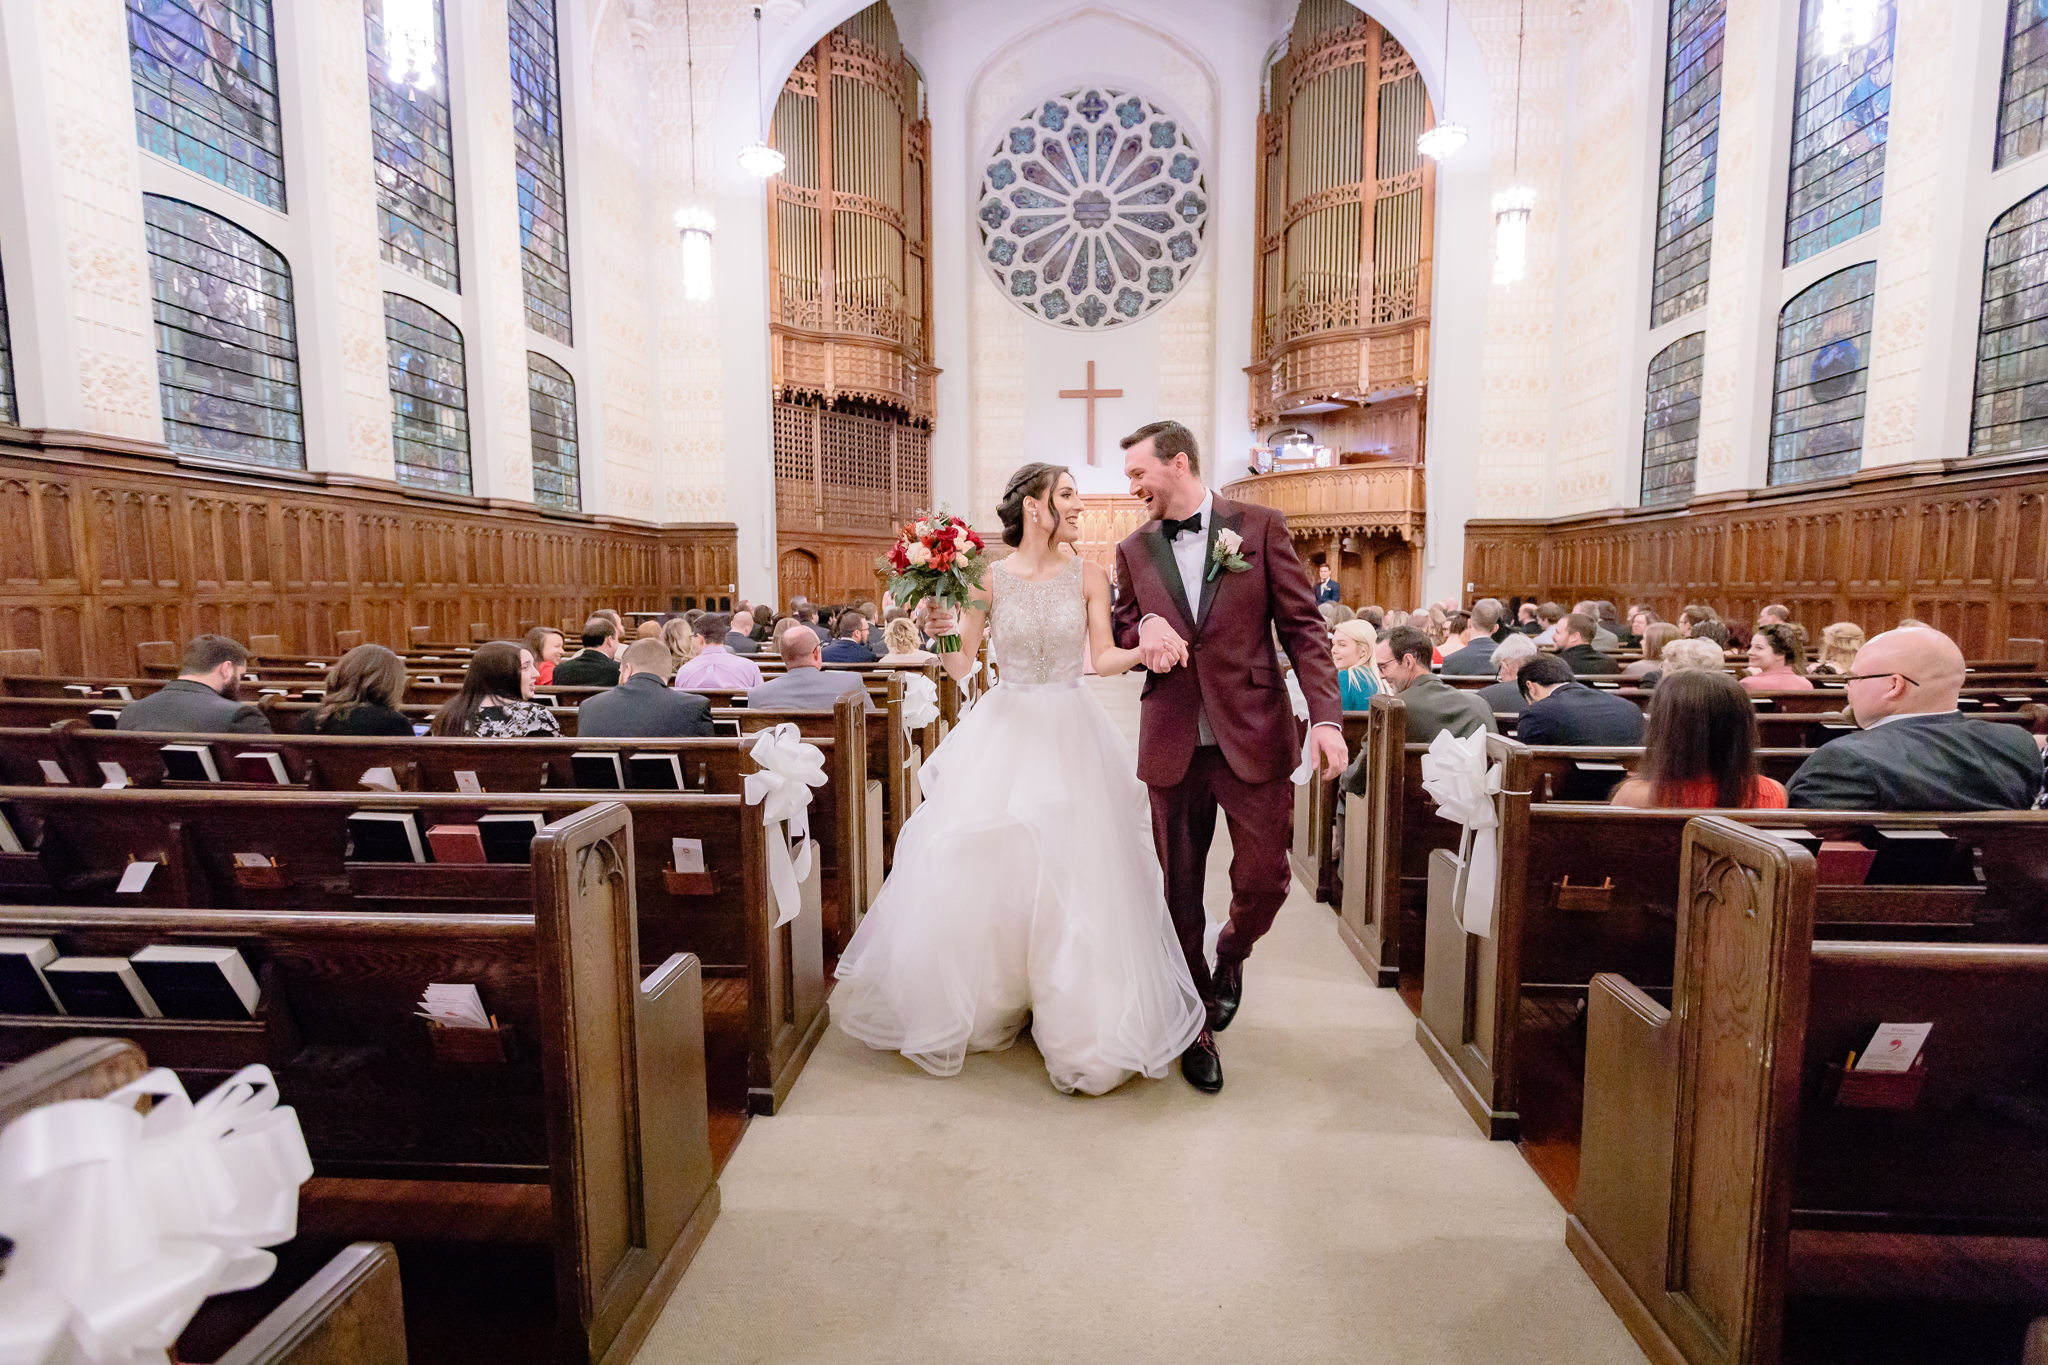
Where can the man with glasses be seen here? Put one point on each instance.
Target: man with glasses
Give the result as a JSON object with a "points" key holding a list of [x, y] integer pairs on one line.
{"points": [[1915, 750]]}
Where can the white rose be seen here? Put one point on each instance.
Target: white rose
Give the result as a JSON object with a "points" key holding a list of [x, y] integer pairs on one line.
{"points": [[1229, 541], [924, 528], [917, 555]]}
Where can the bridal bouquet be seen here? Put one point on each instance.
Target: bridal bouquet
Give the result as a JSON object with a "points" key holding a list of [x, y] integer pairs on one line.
{"points": [[937, 557]]}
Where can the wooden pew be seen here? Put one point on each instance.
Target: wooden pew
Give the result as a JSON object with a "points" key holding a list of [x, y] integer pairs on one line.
{"points": [[1719, 1174], [590, 1133]]}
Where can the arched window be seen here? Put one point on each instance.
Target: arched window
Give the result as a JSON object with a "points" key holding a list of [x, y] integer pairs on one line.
{"points": [[206, 91], [429, 397], [1685, 188], [2023, 97], [1840, 116], [2011, 408], [1671, 420], [537, 156], [227, 351], [551, 408], [1821, 378], [414, 145], [10, 411]]}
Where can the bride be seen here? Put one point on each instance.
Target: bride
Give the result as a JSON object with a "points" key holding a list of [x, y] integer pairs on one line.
{"points": [[1026, 885]]}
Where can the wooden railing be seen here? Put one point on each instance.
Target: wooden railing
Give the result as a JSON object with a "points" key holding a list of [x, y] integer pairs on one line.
{"points": [[1360, 498]]}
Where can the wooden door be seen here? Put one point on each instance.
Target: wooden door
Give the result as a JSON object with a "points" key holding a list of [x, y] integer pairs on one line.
{"points": [[799, 576]]}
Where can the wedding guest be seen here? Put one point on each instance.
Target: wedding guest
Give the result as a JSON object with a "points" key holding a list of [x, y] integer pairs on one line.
{"points": [[739, 637], [1699, 750], [1562, 710], [1575, 637], [1504, 698], [1433, 705], [716, 666], [804, 685], [1474, 658], [1838, 645], [1373, 617], [643, 706], [496, 700], [905, 650], [364, 689], [1656, 635], [1640, 619], [1549, 615], [681, 639], [1326, 585], [1525, 619], [850, 642], [1915, 750], [596, 664], [201, 700], [764, 622], [545, 644], [1687, 656], [1774, 615], [1351, 648], [1713, 631], [650, 629], [1777, 660]]}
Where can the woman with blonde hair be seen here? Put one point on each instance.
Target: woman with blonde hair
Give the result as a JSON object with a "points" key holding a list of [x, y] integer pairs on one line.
{"points": [[1838, 645], [681, 640], [904, 650], [1352, 644]]}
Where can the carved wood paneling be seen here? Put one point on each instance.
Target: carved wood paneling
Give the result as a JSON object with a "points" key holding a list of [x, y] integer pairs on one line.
{"points": [[1961, 546], [176, 550]]}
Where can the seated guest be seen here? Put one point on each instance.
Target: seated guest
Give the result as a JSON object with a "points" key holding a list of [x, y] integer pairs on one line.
{"points": [[1915, 751], [715, 665], [1838, 645], [905, 649], [650, 629], [1351, 648], [597, 663], [1548, 616], [1686, 656], [546, 647], [618, 625], [850, 642], [1504, 698], [201, 699], [1373, 617], [1656, 635], [1699, 750], [1714, 632], [496, 700], [1326, 585], [1777, 660], [1475, 658], [681, 638], [763, 624], [643, 706], [739, 628], [363, 691], [1774, 615], [1640, 619], [804, 686], [1525, 619], [1433, 705], [1575, 636], [1562, 710]]}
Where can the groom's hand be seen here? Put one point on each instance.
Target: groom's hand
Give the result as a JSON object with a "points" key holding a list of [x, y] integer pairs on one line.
{"points": [[1332, 756], [1160, 647]]}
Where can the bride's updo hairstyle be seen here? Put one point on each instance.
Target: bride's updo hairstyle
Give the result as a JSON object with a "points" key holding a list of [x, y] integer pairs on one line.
{"points": [[1032, 481]]}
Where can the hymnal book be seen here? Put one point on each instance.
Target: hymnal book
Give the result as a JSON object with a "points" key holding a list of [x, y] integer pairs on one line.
{"points": [[654, 772], [467, 782], [428, 678], [117, 691], [189, 763], [258, 765], [100, 988], [273, 692], [10, 842], [313, 693], [254, 860], [688, 854], [1805, 838], [116, 775], [1592, 781], [1843, 862], [457, 844], [77, 690], [385, 836], [378, 779], [103, 718], [508, 835], [597, 768], [196, 982], [454, 1006], [134, 877], [53, 773], [1911, 857], [1893, 1047], [22, 987]]}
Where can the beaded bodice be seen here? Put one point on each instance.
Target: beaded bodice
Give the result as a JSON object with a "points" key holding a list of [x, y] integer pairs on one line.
{"points": [[1040, 628]]}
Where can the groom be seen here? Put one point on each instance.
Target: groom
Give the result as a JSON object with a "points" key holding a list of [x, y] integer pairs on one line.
{"points": [[1200, 592]]}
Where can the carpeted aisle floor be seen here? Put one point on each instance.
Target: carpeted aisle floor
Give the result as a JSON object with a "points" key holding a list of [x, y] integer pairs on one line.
{"points": [[1332, 1204]]}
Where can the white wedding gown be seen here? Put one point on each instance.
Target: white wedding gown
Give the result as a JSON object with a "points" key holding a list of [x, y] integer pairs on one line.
{"points": [[1026, 885]]}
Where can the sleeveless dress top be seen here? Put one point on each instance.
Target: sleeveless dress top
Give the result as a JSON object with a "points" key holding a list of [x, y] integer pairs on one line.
{"points": [[1039, 629]]}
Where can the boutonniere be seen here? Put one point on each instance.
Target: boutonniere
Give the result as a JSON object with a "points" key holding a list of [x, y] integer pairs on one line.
{"points": [[1225, 553]]}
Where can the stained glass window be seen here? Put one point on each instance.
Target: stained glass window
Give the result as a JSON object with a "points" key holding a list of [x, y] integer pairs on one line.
{"points": [[429, 397], [414, 145], [9, 410], [2011, 408], [1821, 378], [206, 91], [227, 353], [1840, 116], [551, 406], [1671, 423], [537, 155], [1685, 190], [2023, 99]]}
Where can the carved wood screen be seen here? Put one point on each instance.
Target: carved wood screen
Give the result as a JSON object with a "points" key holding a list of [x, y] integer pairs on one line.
{"points": [[850, 315]]}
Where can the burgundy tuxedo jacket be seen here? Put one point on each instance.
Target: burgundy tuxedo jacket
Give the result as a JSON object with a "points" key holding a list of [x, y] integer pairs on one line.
{"points": [[1232, 674]]}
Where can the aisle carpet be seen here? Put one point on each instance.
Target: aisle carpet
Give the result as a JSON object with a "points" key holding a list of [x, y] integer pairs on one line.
{"points": [[1332, 1204]]}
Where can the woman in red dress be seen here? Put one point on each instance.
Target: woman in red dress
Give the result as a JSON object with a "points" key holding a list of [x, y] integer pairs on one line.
{"points": [[1699, 749]]}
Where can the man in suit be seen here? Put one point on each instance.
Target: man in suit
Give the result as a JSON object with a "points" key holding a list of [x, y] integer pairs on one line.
{"points": [[1915, 751], [1575, 646], [804, 686], [1326, 585], [1475, 659], [597, 663], [1505, 697], [643, 706], [737, 625], [849, 645], [877, 638], [1432, 704], [201, 699], [1564, 711]]}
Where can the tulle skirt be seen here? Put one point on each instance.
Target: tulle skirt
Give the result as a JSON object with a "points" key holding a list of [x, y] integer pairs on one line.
{"points": [[1026, 887]]}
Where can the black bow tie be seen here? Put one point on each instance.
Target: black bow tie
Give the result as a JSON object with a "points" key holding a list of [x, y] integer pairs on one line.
{"points": [[1171, 529]]}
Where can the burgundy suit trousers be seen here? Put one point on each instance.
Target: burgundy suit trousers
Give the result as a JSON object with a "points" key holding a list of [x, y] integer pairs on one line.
{"points": [[1261, 816]]}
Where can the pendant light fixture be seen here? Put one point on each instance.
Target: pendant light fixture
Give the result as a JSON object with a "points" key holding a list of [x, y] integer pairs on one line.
{"points": [[409, 46], [693, 220], [1512, 206], [1442, 139], [757, 158]]}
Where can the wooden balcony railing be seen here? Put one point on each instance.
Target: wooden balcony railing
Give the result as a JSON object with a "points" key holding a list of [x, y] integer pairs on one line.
{"points": [[1359, 499]]}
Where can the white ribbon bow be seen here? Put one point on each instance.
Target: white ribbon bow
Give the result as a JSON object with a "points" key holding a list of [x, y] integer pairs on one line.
{"points": [[920, 702], [789, 768], [1307, 767], [123, 1224], [1455, 773]]}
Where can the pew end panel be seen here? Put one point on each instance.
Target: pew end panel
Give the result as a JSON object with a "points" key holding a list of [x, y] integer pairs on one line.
{"points": [[351, 1312], [1369, 910]]}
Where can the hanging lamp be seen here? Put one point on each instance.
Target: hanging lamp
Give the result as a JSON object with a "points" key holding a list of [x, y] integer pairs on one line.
{"points": [[409, 46], [1513, 206], [1442, 139], [757, 158], [693, 221]]}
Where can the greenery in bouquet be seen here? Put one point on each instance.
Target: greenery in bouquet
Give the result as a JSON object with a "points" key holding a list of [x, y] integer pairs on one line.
{"points": [[937, 557]]}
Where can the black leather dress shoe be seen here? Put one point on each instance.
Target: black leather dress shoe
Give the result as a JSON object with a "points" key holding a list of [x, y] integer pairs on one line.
{"points": [[1200, 1065], [1228, 984]]}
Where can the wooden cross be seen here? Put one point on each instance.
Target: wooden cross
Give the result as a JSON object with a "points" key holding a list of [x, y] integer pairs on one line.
{"points": [[1091, 393]]}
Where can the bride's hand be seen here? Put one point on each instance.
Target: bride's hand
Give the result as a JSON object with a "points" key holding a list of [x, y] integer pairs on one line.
{"points": [[941, 621]]}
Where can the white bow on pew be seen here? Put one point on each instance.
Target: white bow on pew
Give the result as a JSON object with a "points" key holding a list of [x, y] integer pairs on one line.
{"points": [[1306, 769], [123, 1223], [920, 702], [1455, 774], [789, 768]]}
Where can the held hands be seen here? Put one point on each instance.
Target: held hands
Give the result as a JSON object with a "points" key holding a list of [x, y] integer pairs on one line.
{"points": [[1327, 742], [1160, 647]]}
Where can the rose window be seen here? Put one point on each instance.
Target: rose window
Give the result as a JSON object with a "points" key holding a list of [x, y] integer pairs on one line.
{"points": [[1093, 208]]}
